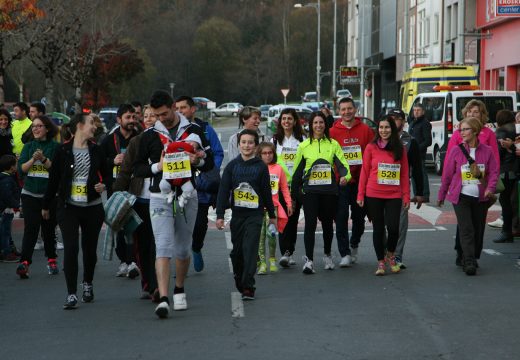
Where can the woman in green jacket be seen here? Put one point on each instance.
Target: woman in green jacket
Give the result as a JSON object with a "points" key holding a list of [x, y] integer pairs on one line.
{"points": [[317, 160], [34, 164]]}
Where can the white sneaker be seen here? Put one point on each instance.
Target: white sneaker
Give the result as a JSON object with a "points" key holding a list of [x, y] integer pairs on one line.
{"points": [[329, 264], [498, 223], [123, 270], [179, 302], [162, 310], [346, 261], [292, 261], [284, 260], [132, 271], [59, 245], [354, 255], [39, 245], [308, 268]]}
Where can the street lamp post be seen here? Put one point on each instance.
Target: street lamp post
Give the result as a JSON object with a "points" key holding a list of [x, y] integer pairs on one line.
{"points": [[172, 85], [334, 50], [316, 5]]}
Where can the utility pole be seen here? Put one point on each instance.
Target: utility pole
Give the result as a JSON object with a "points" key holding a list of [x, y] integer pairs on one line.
{"points": [[333, 95]]}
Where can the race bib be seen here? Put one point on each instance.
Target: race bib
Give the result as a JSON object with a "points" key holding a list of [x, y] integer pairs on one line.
{"points": [[245, 196], [388, 174], [176, 166], [467, 177], [288, 156], [321, 174], [115, 170], [38, 170], [353, 154], [274, 183], [79, 190]]}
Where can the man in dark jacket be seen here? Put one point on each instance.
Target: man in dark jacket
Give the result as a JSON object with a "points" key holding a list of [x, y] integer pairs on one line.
{"points": [[415, 163], [421, 130]]}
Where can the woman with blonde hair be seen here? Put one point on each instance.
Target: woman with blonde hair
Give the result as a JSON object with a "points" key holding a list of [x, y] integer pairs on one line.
{"points": [[468, 180]]}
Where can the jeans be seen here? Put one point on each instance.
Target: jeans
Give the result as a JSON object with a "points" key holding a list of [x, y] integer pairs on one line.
{"points": [[6, 220], [347, 198]]}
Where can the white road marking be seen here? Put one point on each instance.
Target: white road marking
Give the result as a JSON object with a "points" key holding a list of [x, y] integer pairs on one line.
{"points": [[428, 213], [440, 228], [237, 306], [219, 135], [229, 245], [230, 264], [492, 252]]}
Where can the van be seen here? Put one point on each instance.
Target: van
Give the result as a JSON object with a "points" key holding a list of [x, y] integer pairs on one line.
{"points": [[423, 77], [444, 111]]}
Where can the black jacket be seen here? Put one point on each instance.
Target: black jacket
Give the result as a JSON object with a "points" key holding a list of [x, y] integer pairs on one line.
{"points": [[414, 162], [9, 192], [62, 171], [508, 160], [421, 131], [151, 148], [112, 145], [6, 142]]}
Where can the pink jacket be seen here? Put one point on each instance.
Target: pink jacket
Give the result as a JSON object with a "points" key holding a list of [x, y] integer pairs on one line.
{"points": [[368, 184], [486, 136], [451, 185], [275, 169]]}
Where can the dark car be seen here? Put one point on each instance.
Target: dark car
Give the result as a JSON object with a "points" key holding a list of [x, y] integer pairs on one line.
{"points": [[201, 102]]}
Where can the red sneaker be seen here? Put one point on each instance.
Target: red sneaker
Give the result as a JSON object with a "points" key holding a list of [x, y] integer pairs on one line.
{"points": [[23, 270]]}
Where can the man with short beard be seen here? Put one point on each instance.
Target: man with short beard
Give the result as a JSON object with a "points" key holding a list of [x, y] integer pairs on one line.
{"points": [[114, 146]]}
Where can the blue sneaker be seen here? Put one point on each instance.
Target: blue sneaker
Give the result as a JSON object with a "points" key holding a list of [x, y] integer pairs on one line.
{"points": [[198, 261]]}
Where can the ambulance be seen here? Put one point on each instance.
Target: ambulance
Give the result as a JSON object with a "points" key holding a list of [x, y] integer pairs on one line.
{"points": [[423, 77], [443, 109]]}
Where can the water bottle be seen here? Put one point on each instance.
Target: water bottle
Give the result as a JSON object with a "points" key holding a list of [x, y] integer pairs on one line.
{"points": [[272, 230]]}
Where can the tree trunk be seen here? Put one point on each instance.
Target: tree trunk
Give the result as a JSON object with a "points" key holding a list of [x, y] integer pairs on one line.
{"points": [[77, 101], [49, 94]]}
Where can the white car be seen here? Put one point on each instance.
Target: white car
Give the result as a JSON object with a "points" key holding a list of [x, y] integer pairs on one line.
{"points": [[227, 109], [343, 93]]}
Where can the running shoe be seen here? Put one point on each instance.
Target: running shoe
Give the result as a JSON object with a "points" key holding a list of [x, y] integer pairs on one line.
{"points": [[162, 310], [10, 258], [284, 260], [292, 261], [122, 271], [179, 302], [272, 265], [71, 302], [88, 292], [329, 263], [198, 261], [248, 294], [23, 270], [132, 271], [399, 261], [394, 267], [39, 245], [262, 268], [52, 267], [469, 267], [354, 255], [380, 268], [308, 268], [346, 261], [497, 224]]}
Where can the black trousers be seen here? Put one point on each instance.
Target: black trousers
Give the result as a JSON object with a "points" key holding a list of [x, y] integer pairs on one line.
{"points": [[144, 244], [385, 215], [505, 200], [471, 218], [322, 207], [287, 239], [32, 209], [201, 227], [90, 219]]}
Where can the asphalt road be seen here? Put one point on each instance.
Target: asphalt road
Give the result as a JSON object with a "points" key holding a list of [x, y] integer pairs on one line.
{"points": [[431, 310]]}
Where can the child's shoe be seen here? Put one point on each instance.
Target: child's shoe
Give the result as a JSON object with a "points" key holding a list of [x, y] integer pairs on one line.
{"points": [[272, 265], [23, 270], [52, 267], [262, 268], [380, 268]]}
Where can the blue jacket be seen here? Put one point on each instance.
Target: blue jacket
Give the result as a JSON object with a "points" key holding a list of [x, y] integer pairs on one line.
{"points": [[204, 180], [9, 192]]}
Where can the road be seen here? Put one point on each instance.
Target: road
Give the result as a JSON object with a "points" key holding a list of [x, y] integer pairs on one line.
{"points": [[431, 310]]}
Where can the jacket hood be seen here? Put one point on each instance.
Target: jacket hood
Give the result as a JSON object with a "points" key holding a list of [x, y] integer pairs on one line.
{"points": [[339, 125]]}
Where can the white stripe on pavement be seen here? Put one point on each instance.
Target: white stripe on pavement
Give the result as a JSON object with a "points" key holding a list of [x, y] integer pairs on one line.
{"points": [[237, 305], [230, 265], [492, 252], [428, 213], [229, 244]]}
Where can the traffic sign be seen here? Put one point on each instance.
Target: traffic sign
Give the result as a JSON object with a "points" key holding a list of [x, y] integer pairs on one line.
{"points": [[349, 75], [285, 92]]}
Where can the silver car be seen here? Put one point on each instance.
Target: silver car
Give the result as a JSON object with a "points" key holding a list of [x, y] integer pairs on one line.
{"points": [[227, 109]]}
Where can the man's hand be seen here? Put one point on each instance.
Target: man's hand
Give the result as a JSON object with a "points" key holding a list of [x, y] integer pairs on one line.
{"points": [[342, 181], [99, 187], [45, 214], [220, 224], [419, 200], [118, 160], [194, 158]]}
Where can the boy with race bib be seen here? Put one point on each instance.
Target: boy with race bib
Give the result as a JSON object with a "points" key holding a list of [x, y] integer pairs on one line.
{"points": [[245, 187]]}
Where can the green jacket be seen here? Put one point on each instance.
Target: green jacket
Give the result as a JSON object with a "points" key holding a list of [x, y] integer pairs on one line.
{"points": [[36, 185], [17, 129]]}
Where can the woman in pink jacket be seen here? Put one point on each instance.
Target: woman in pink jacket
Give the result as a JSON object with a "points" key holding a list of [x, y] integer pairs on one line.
{"points": [[470, 189], [384, 186]]}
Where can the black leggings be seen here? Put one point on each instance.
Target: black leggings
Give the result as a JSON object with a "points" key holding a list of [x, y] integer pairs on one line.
{"points": [[287, 239], [201, 227], [90, 219], [384, 213], [32, 208], [145, 243], [323, 207]]}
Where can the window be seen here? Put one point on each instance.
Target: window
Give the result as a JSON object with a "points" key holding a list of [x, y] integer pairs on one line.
{"points": [[427, 32], [412, 35], [400, 41], [454, 19], [435, 28], [433, 108], [421, 36], [447, 28], [493, 105]]}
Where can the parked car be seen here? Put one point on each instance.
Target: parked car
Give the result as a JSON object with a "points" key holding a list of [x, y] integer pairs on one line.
{"points": [[343, 93], [227, 109], [274, 113], [201, 102], [264, 109], [314, 105], [109, 117], [310, 96]]}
